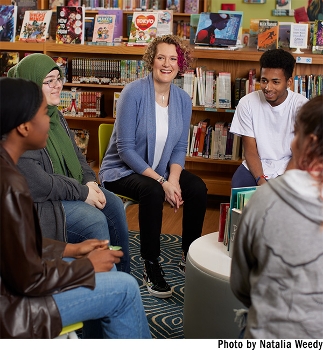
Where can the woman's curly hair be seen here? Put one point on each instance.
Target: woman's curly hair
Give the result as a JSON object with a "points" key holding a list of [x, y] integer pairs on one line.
{"points": [[183, 51]]}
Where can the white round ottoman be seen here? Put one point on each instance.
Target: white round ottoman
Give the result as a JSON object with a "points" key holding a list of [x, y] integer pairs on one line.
{"points": [[208, 299]]}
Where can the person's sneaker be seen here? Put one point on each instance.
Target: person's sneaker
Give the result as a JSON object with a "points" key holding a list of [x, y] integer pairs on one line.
{"points": [[182, 264], [154, 279]]}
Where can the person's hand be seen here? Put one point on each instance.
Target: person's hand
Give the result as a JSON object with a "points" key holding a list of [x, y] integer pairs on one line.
{"points": [[78, 250], [173, 195], [96, 198], [104, 260]]}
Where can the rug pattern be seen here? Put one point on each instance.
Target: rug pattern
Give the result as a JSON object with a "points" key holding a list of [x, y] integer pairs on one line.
{"points": [[165, 316]]}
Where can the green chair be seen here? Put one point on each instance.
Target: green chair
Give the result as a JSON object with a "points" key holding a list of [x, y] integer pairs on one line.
{"points": [[105, 132]]}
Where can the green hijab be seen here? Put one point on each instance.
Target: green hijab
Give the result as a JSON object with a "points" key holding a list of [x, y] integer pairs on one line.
{"points": [[35, 67]]}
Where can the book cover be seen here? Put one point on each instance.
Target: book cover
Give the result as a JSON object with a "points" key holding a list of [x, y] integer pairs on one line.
{"points": [[70, 27], [268, 35], [116, 96], [224, 207], [89, 26], [252, 80], [174, 5], [191, 6], [300, 15], [284, 35], [283, 4], [235, 219], [118, 28], [143, 27], [62, 63], [7, 60], [223, 90], [35, 25], [164, 22], [22, 7], [103, 28], [318, 37], [8, 22], [204, 125], [236, 146], [253, 31], [54, 3], [194, 21], [237, 91], [81, 137]]}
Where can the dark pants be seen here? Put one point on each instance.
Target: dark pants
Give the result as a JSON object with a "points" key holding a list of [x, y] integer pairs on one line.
{"points": [[151, 196], [242, 178]]}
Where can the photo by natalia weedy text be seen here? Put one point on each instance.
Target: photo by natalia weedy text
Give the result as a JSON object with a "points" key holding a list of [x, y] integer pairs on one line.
{"points": [[270, 344]]}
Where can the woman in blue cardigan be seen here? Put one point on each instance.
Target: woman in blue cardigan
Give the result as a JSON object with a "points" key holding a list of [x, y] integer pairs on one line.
{"points": [[146, 155]]}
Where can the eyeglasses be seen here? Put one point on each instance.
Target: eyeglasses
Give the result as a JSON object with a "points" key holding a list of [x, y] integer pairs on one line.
{"points": [[53, 82]]}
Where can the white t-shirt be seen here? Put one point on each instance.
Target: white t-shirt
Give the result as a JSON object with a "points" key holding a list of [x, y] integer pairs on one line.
{"points": [[161, 132], [272, 127]]}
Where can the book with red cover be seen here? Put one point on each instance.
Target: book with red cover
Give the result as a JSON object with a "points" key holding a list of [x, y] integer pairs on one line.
{"points": [[268, 35], [70, 27], [204, 125], [224, 207]]}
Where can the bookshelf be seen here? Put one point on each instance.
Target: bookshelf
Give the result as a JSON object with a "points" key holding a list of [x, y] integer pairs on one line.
{"points": [[216, 173]]}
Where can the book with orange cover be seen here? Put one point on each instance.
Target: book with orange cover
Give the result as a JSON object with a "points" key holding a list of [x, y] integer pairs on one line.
{"points": [[268, 35], [224, 207]]}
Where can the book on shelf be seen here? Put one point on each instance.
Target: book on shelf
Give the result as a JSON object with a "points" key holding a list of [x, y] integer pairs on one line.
{"points": [[268, 35], [8, 22], [224, 207], [70, 27], [118, 28], [229, 143], [283, 4], [73, 3], [223, 90], [52, 4], [191, 6], [143, 27], [62, 63], [236, 147], [237, 87], [116, 96], [254, 31], [238, 13], [300, 15], [103, 28], [280, 12], [194, 21], [81, 137], [194, 131], [243, 87], [22, 7], [252, 80], [209, 88], [89, 27], [318, 37], [174, 5], [79, 103], [8, 59], [35, 25], [208, 142], [204, 126], [284, 35]]}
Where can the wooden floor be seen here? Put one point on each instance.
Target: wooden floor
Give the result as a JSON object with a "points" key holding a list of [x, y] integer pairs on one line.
{"points": [[172, 223]]}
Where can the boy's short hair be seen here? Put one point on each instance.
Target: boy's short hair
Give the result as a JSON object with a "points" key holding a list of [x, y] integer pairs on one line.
{"points": [[278, 58]]}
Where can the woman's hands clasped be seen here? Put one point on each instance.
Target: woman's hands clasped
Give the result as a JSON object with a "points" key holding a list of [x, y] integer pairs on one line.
{"points": [[96, 198]]}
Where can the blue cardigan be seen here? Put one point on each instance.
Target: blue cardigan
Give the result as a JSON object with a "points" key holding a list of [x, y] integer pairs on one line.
{"points": [[132, 145]]}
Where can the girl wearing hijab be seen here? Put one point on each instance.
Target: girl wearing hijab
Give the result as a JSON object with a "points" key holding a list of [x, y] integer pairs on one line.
{"points": [[70, 205]]}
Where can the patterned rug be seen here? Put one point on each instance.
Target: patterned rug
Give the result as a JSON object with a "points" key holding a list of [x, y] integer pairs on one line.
{"points": [[165, 316]]}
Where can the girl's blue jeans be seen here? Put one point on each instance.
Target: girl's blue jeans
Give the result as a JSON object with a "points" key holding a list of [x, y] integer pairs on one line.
{"points": [[83, 221], [115, 304]]}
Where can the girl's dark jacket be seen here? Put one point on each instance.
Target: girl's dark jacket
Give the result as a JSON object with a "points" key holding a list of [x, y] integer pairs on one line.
{"points": [[31, 268]]}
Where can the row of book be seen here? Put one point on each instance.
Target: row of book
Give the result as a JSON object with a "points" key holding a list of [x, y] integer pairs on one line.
{"points": [[309, 85], [106, 71], [77, 103], [213, 141]]}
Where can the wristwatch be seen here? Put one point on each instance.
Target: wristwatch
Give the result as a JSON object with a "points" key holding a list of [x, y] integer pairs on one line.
{"points": [[161, 180]]}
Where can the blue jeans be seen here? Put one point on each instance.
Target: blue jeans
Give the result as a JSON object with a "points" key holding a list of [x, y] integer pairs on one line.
{"points": [[115, 303], [83, 221]]}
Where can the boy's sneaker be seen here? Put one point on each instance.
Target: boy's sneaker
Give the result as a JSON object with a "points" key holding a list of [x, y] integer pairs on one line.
{"points": [[154, 279], [182, 264]]}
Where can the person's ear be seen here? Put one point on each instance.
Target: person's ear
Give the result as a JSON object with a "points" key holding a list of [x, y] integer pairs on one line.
{"points": [[289, 82], [23, 129]]}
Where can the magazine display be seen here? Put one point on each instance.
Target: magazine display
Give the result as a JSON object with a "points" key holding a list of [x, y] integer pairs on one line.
{"points": [[103, 28], [8, 22], [70, 25]]}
